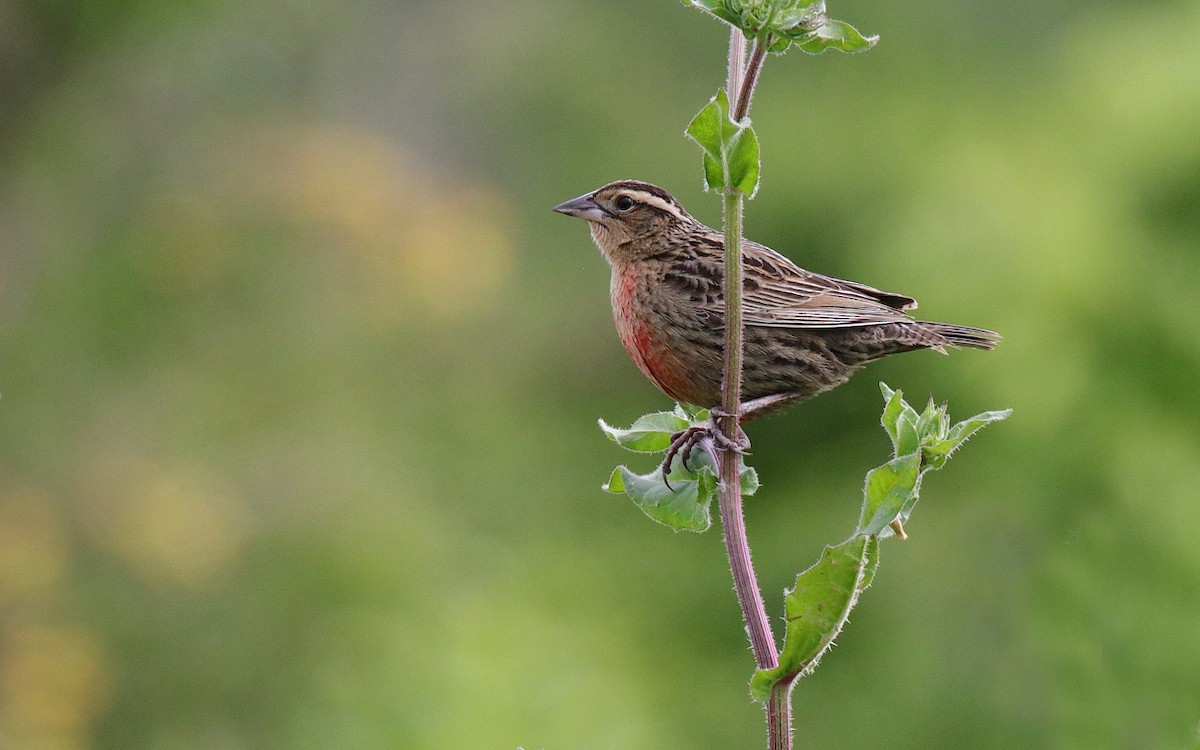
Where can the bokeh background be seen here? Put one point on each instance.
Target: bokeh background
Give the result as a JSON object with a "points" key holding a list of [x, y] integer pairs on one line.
{"points": [[299, 376]]}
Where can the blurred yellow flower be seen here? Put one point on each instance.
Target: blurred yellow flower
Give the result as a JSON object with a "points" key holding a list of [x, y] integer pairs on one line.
{"points": [[54, 682]]}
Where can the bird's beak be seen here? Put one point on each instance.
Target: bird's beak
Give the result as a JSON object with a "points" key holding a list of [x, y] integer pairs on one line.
{"points": [[582, 207]]}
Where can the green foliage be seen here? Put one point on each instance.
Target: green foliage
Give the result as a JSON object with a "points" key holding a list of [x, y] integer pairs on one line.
{"points": [[827, 34], [817, 607], [782, 23], [886, 491], [683, 501], [225, 294], [731, 157], [651, 433]]}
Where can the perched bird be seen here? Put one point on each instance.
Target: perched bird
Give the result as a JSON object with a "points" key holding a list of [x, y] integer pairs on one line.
{"points": [[804, 333]]}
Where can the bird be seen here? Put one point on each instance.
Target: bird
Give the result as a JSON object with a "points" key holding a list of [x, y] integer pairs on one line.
{"points": [[804, 332]]}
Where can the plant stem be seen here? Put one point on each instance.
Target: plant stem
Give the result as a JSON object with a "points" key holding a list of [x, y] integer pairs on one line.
{"points": [[741, 102], [732, 518], [779, 716], [740, 85], [737, 63]]}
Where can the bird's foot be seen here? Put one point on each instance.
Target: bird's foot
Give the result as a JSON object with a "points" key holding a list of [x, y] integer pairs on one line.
{"points": [[757, 407], [682, 445], [739, 445], [709, 437]]}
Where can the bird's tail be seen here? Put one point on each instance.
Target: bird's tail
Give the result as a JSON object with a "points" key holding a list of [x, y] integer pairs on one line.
{"points": [[964, 336]]}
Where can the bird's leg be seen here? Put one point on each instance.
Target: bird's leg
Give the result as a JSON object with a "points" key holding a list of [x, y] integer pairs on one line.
{"points": [[748, 410], [710, 436], [739, 445], [757, 407]]}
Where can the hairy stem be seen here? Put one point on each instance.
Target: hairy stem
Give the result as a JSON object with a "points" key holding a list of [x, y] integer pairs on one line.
{"points": [[732, 518], [740, 86], [741, 102], [737, 63], [779, 716]]}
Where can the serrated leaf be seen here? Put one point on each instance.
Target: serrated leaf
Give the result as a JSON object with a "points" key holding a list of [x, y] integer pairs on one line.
{"points": [[818, 605], [837, 35], [886, 491], [743, 160], [870, 563], [683, 507], [816, 609], [937, 453], [651, 433], [968, 427]]}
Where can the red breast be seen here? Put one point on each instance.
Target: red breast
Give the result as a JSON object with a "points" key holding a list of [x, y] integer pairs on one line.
{"points": [[653, 357]]}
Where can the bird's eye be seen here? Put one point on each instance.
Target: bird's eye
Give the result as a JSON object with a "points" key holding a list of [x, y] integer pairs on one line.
{"points": [[624, 203]]}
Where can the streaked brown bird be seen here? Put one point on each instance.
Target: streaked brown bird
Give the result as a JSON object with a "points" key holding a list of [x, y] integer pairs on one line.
{"points": [[804, 333]]}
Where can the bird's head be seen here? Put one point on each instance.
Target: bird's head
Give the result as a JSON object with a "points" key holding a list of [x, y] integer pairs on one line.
{"points": [[626, 211]]}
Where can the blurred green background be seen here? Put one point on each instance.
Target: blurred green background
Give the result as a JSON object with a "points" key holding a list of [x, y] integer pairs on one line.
{"points": [[300, 376]]}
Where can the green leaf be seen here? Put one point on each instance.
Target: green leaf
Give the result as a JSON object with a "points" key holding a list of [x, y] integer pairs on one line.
{"points": [[615, 484], [786, 22], [899, 421], [818, 605], [969, 427], [870, 563], [837, 35], [731, 151], [718, 8], [749, 480], [694, 414], [932, 424], [887, 490], [893, 408], [779, 45], [683, 507], [816, 608], [705, 127], [801, 18], [743, 162], [908, 439], [701, 461], [714, 176], [937, 453], [651, 433]]}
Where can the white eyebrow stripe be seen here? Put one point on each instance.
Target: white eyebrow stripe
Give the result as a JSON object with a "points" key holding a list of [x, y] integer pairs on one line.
{"points": [[651, 199]]}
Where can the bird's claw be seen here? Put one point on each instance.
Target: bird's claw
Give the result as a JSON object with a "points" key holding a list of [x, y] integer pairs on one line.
{"points": [[682, 445], [709, 437], [739, 445]]}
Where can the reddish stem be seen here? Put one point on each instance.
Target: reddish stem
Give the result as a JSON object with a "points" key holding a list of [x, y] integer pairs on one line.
{"points": [[740, 85]]}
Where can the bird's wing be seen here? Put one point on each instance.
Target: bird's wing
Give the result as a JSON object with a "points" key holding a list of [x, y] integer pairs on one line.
{"points": [[780, 294]]}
